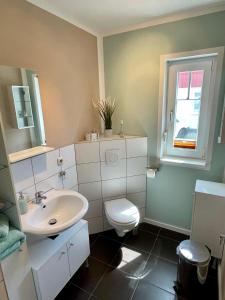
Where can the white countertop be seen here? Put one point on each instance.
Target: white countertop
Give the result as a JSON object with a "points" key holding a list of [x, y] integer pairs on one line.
{"points": [[210, 187]]}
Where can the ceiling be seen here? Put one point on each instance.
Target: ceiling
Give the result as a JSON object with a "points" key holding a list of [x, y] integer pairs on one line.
{"points": [[110, 16]]}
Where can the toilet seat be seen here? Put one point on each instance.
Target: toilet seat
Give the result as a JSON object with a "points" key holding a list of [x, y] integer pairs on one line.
{"points": [[122, 212]]}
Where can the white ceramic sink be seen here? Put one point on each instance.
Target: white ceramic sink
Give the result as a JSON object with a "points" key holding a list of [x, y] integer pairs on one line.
{"points": [[63, 208]]}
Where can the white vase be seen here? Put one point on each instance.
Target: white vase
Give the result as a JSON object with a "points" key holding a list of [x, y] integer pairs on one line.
{"points": [[108, 132]]}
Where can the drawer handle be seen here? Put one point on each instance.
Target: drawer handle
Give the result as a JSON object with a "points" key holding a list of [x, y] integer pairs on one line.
{"points": [[63, 252]]}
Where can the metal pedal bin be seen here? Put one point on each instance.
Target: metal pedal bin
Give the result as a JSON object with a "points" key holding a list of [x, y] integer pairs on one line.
{"points": [[192, 270]]}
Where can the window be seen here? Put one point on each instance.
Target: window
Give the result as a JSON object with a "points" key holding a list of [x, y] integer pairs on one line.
{"points": [[188, 97]]}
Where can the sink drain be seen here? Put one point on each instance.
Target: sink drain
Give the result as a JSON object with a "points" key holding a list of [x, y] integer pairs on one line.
{"points": [[52, 221]]}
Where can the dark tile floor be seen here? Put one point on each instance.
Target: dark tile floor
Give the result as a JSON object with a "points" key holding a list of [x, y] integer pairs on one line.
{"points": [[137, 267]]}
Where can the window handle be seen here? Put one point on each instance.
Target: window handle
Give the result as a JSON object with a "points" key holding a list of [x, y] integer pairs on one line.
{"points": [[171, 116], [164, 135]]}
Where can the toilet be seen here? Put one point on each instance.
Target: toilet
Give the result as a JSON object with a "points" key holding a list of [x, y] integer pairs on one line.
{"points": [[122, 214]]}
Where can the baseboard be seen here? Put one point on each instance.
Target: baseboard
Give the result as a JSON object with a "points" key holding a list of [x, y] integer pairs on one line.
{"points": [[167, 226]]}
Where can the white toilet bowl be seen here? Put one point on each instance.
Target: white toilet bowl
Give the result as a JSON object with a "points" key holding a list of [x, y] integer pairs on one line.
{"points": [[122, 214]]}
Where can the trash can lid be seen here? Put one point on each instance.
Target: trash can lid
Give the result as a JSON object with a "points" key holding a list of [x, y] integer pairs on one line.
{"points": [[193, 252]]}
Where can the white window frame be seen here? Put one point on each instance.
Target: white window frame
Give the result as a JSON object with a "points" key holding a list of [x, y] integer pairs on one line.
{"points": [[217, 54]]}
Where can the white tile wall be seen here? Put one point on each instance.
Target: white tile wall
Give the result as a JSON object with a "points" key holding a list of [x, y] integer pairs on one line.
{"points": [[53, 182], [22, 174], [94, 209], [29, 192], [87, 171], [45, 165], [136, 184], [114, 187], [139, 199], [114, 144], [110, 171], [92, 190], [95, 225], [136, 147], [68, 155], [87, 152], [136, 166], [75, 188], [70, 178]]}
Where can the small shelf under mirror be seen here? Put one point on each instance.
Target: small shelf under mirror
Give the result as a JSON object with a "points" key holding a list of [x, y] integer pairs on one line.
{"points": [[24, 154]]}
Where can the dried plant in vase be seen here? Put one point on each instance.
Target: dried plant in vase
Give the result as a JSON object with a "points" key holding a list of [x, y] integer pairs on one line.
{"points": [[106, 108]]}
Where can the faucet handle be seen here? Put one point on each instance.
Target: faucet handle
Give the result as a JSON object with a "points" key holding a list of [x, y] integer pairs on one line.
{"points": [[40, 194]]}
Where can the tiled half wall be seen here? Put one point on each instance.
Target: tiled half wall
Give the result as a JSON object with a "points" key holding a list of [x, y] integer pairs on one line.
{"points": [[87, 171]]}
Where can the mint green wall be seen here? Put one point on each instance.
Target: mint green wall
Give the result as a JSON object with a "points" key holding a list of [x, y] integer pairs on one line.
{"points": [[132, 77]]}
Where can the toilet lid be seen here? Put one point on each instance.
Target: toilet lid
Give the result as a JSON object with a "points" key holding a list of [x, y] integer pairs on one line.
{"points": [[122, 211]]}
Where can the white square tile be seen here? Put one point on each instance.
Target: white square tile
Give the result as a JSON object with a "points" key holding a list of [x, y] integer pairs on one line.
{"points": [[139, 199], [106, 225], [94, 209], [88, 172], [136, 166], [70, 179], [68, 155], [95, 225], [92, 191], [137, 147], [142, 212], [53, 182], [136, 184], [22, 174], [87, 152], [114, 197], [45, 165], [29, 193], [110, 145], [110, 171], [75, 188], [114, 187]]}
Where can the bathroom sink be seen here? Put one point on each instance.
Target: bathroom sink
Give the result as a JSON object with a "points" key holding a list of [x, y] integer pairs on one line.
{"points": [[60, 210]]}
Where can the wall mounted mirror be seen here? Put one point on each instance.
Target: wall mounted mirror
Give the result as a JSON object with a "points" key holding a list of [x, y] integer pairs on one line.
{"points": [[21, 112]]}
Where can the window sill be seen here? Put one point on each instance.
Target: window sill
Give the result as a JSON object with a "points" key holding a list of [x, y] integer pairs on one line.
{"points": [[185, 162]]}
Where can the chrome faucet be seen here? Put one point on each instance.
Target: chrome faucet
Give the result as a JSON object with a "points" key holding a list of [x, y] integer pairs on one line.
{"points": [[39, 197]]}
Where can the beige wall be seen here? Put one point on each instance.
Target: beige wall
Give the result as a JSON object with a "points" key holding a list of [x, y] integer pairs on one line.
{"points": [[65, 58]]}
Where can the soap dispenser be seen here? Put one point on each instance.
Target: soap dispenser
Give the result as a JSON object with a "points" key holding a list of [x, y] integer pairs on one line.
{"points": [[22, 203]]}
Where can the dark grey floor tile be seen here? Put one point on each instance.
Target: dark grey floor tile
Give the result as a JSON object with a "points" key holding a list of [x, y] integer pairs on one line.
{"points": [[147, 291], [149, 228], [105, 249], [71, 292], [111, 234], [130, 260], [143, 241], [173, 235], [92, 238], [161, 273], [115, 285], [87, 278], [166, 248]]}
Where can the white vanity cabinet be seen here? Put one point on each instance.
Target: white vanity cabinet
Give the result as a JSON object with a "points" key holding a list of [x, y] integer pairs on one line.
{"points": [[208, 220], [54, 261]]}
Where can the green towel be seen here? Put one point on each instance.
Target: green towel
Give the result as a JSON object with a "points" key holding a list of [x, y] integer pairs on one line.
{"points": [[4, 226], [11, 243]]}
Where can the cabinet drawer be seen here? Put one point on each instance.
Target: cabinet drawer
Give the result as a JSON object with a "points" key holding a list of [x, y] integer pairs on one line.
{"points": [[78, 249], [52, 276]]}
